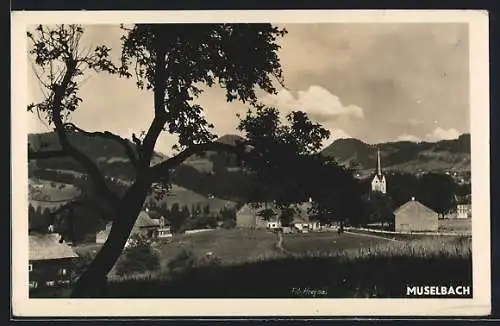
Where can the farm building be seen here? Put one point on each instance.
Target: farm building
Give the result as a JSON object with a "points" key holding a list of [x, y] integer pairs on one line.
{"points": [[301, 219], [253, 215], [415, 217], [464, 207], [50, 262], [146, 226]]}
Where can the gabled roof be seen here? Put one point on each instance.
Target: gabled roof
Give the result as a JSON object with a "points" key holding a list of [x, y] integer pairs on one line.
{"points": [[376, 176], [47, 246], [144, 221], [254, 208], [414, 203]]}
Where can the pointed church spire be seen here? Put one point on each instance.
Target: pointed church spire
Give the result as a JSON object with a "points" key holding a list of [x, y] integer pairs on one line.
{"points": [[379, 169]]}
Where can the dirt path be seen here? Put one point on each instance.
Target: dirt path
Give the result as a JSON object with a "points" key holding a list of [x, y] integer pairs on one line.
{"points": [[372, 236]]}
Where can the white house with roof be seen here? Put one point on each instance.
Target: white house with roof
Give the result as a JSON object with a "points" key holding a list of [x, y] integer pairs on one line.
{"points": [[145, 226]]}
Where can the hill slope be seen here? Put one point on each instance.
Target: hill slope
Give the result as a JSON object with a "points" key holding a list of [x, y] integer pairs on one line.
{"points": [[97, 148], [404, 155], [215, 178]]}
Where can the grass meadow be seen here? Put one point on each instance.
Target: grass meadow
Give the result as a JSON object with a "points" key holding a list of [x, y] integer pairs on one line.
{"points": [[247, 264]]}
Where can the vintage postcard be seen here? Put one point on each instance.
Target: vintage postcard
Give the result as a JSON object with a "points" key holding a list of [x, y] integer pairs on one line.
{"points": [[250, 163]]}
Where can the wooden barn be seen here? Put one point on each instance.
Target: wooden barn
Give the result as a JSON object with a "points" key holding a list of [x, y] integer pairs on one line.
{"points": [[415, 217], [252, 215], [145, 226], [50, 262]]}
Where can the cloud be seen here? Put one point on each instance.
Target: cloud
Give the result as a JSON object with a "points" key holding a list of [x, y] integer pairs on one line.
{"points": [[436, 135], [319, 103], [338, 134], [442, 134], [407, 137]]}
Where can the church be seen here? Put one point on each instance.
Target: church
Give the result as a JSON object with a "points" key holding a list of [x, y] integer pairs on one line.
{"points": [[378, 182]]}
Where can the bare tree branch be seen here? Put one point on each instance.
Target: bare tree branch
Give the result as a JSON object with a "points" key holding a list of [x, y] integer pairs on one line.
{"points": [[80, 157], [149, 142], [109, 135]]}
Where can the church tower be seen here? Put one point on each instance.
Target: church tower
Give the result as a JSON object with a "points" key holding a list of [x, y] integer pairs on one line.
{"points": [[378, 182]]}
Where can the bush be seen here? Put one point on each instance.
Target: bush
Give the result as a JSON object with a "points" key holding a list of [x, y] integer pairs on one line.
{"points": [[209, 259], [183, 260], [138, 259], [229, 224]]}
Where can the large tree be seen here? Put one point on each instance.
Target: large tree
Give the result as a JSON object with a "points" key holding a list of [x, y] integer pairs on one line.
{"points": [[438, 192], [173, 61], [176, 63]]}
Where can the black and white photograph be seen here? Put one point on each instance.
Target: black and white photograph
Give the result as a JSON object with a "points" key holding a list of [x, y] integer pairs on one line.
{"points": [[331, 158]]}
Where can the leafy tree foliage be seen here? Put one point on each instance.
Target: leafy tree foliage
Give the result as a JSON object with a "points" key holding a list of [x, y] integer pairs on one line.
{"points": [[283, 150], [438, 192], [380, 210]]}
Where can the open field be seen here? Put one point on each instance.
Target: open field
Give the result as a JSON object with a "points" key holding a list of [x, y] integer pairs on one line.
{"points": [[230, 246], [248, 264], [182, 196], [328, 241], [51, 194], [447, 225], [51, 191], [455, 225], [382, 271]]}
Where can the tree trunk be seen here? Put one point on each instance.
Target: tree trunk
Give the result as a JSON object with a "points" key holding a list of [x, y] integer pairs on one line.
{"points": [[93, 280]]}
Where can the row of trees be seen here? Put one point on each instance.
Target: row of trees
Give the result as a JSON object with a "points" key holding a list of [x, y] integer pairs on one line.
{"points": [[197, 217], [435, 190]]}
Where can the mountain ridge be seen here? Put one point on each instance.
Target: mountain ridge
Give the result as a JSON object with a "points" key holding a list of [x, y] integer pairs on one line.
{"points": [[406, 156]]}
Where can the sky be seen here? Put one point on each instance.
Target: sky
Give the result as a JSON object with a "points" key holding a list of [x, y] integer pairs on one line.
{"points": [[375, 82]]}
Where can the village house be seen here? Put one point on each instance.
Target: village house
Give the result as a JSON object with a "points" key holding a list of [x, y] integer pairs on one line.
{"points": [[145, 226], [251, 216], [50, 261], [301, 220], [464, 207], [164, 226], [273, 225], [415, 217], [164, 230]]}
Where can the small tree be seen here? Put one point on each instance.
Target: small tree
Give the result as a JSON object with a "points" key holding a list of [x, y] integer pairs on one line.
{"points": [[380, 210], [206, 209], [267, 214], [286, 216], [437, 191], [138, 258]]}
